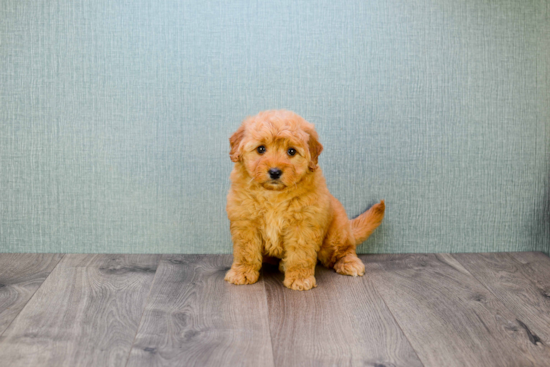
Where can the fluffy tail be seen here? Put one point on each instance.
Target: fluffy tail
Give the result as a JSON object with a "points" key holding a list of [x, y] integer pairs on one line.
{"points": [[366, 223]]}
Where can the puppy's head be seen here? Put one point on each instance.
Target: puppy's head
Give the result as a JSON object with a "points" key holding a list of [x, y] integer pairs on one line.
{"points": [[276, 148]]}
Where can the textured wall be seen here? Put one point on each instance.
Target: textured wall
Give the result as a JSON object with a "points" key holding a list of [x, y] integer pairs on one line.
{"points": [[115, 117]]}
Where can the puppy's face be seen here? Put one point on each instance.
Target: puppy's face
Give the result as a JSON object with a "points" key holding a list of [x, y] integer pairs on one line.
{"points": [[276, 148]]}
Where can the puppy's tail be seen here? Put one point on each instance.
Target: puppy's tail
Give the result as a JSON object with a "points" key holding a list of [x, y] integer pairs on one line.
{"points": [[366, 223]]}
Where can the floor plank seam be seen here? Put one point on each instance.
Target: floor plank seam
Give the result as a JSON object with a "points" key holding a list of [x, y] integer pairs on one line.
{"points": [[486, 287], [268, 318], [143, 311], [31, 297], [521, 266], [396, 322]]}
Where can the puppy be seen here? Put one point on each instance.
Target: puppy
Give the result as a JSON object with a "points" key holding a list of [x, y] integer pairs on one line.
{"points": [[279, 205]]}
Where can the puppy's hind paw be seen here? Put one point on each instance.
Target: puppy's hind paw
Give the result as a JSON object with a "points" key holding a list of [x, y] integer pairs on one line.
{"points": [[350, 265], [238, 277]]}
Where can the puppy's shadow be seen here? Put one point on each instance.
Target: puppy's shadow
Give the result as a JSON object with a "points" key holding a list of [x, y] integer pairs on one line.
{"points": [[270, 272]]}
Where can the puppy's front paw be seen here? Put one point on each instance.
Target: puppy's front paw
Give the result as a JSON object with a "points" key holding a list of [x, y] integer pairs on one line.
{"points": [[300, 284], [238, 276], [350, 265]]}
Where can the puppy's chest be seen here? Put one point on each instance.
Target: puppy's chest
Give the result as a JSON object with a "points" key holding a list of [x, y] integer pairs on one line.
{"points": [[272, 222]]}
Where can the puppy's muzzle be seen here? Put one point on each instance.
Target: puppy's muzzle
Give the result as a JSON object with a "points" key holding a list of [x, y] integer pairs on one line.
{"points": [[275, 173]]}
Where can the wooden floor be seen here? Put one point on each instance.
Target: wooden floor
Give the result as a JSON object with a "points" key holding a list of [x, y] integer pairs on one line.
{"points": [[176, 310]]}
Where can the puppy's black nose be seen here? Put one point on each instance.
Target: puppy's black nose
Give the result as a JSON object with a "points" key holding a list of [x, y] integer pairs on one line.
{"points": [[275, 173]]}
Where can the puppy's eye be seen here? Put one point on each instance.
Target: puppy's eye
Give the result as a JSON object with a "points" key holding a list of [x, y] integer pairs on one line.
{"points": [[261, 149], [291, 151]]}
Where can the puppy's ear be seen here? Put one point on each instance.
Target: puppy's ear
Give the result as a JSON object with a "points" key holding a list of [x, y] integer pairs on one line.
{"points": [[315, 149], [235, 141]]}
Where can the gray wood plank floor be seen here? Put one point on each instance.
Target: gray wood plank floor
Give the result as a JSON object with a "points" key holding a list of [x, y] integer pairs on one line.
{"points": [[448, 316], [176, 310], [341, 322], [86, 313], [506, 278], [195, 318], [20, 277]]}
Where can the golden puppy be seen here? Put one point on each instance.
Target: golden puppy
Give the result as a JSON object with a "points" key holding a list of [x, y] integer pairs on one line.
{"points": [[279, 205]]}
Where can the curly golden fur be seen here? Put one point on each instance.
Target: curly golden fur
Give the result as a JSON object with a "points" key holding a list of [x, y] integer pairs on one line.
{"points": [[279, 205]]}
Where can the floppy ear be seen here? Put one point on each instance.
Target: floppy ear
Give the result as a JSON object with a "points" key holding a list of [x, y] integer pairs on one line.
{"points": [[315, 149], [235, 141]]}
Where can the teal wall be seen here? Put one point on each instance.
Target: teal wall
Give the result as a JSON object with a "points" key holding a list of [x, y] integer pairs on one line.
{"points": [[115, 117]]}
